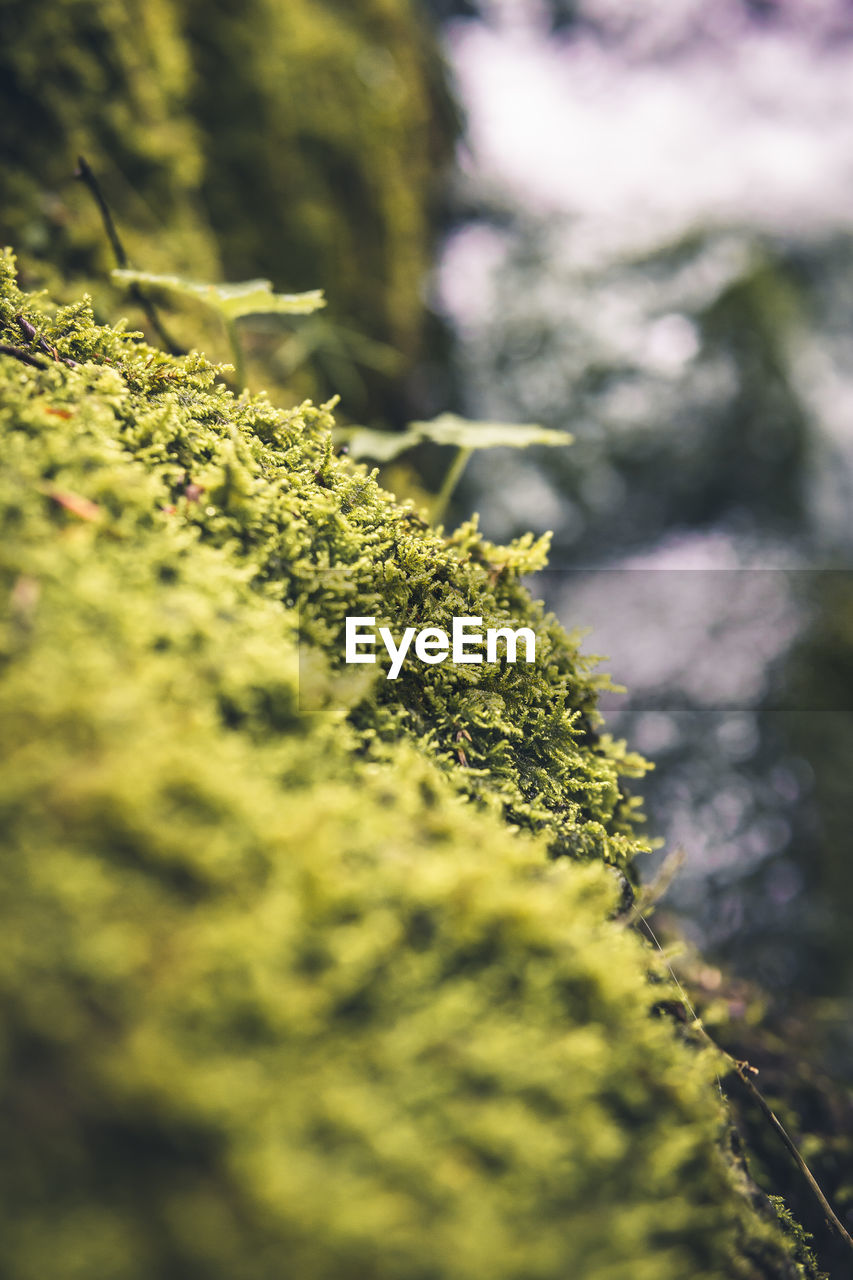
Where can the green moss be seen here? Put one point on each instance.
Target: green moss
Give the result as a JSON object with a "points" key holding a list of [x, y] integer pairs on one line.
{"points": [[807, 1266], [278, 998], [112, 81], [287, 138], [317, 534]]}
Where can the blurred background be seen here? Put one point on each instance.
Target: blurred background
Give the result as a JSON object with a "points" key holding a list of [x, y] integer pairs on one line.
{"points": [[629, 221], [653, 249]]}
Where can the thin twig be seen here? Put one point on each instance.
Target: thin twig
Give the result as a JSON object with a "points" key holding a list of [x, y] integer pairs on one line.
{"points": [[85, 174], [650, 894], [742, 1070], [829, 1213], [24, 356], [31, 334], [697, 1021]]}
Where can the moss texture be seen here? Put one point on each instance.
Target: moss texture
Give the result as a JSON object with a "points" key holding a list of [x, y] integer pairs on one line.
{"points": [[317, 534], [291, 138], [288, 988]]}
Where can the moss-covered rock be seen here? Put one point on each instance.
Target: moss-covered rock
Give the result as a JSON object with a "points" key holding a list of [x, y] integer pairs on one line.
{"points": [[279, 998], [295, 139]]}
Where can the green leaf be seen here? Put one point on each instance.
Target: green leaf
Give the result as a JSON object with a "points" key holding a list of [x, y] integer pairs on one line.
{"points": [[248, 298], [382, 446], [449, 429], [464, 433]]}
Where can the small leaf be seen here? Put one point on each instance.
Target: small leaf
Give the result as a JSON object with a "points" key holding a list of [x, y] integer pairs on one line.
{"points": [[247, 298], [464, 433], [449, 429], [382, 446]]}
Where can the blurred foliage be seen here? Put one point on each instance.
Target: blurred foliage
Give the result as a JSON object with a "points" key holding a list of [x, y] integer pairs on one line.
{"points": [[293, 139], [818, 724], [275, 996], [690, 380], [703, 367], [672, 369]]}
